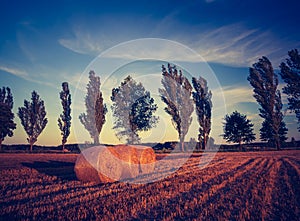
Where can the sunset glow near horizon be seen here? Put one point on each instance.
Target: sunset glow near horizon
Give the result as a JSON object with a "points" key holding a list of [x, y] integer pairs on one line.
{"points": [[43, 44]]}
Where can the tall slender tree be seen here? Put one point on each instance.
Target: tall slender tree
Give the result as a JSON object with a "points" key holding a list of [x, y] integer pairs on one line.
{"points": [[64, 120], [264, 82], [290, 73], [94, 118], [33, 117], [238, 129], [7, 124], [176, 94], [133, 109], [202, 99]]}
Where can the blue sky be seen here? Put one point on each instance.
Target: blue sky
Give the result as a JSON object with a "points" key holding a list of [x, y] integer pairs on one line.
{"points": [[44, 43]]}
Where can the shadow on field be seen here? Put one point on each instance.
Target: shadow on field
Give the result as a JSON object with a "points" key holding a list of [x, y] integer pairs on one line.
{"points": [[63, 170]]}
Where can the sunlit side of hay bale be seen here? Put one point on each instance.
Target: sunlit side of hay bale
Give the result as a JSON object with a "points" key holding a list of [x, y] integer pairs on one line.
{"points": [[102, 164]]}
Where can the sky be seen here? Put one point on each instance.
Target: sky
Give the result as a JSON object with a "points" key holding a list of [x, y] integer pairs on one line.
{"points": [[44, 43]]}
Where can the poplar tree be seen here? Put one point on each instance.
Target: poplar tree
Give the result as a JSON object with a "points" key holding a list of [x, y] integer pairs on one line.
{"points": [[64, 120], [33, 117], [94, 118], [264, 82], [7, 124], [176, 94], [290, 73], [202, 99]]}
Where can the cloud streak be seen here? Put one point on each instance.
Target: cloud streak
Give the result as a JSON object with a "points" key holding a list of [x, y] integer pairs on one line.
{"points": [[24, 75], [233, 44], [14, 71], [240, 46], [234, 95], [83, 43]]}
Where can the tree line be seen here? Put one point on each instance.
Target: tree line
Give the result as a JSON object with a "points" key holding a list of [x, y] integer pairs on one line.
{"points": [[134, 109]]}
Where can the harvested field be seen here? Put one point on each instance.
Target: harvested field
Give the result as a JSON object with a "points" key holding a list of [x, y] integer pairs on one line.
{"points": [[234, 186]]}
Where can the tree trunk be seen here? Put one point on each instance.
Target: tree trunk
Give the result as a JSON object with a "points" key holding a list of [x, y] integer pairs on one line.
{"points": [[204, 141], [277, 144], [182, 146], [277, 141], [199, 143], [132, 140], [63, 147], [240, 145], [96, 139], [31, 145], [181, 141]]}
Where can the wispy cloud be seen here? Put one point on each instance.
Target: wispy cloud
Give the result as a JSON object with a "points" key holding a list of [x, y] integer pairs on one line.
{"points": [[237, 96], [235, 44], [234, 95], [83, 43], [153, 48], [14, 71], [24, 75], [240, 46]]}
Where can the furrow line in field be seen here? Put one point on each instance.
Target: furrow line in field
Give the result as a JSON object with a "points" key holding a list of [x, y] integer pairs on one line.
{"points": [[34, 190], [149, 195], [222, 198], [184, 170], [70, 196], [252, 190], [292, 181], [213, 170], [295, 163], [271, 186], [231, 190], [281, 189], [205, 189], [265, 188]]}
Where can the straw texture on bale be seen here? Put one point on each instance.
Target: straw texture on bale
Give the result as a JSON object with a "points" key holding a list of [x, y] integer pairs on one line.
{"points": [[103, 164]]}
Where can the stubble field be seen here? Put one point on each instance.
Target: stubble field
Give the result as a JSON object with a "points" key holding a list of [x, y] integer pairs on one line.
{"points": [[234, 186]]}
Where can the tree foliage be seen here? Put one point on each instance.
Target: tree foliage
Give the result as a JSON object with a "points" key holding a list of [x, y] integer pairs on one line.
{"points": [[265, 82], [238, 129], [33, 117], [133, 109], [7, 124], [94, 118], [176, 94], [202, 99], [64, 121], [290, 73]]}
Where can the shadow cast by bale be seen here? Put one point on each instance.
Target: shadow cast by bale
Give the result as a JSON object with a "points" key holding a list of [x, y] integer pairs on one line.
{"points": [[62, 170]]}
